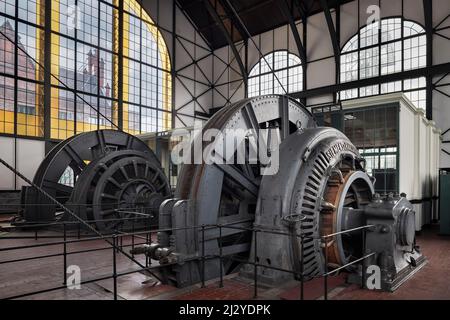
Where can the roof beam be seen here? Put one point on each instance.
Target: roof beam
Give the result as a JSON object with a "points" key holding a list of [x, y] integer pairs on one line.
{"points": [[331, 29], [253, 41], [416, 73], [240, 28], [244, 11], [308, 4], [288, 14], [213, 12]]}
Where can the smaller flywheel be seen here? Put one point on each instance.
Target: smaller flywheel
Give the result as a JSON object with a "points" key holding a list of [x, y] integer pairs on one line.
{"points": [[132, 186]]}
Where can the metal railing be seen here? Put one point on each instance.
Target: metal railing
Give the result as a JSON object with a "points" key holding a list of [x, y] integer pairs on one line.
{"points": [[324, 244], [145, 237]]}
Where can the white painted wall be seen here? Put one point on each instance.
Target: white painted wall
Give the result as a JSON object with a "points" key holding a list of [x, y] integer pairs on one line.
{"points": [[30, 154], [7, 153], [23, 154]]}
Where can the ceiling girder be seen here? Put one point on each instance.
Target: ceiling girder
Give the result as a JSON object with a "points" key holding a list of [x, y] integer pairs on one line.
{"points": [[288, 14], [213, 13], [331, 29]]}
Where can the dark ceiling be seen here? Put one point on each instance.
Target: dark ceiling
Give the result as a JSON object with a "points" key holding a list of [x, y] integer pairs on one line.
{"points": [[213, 17]]}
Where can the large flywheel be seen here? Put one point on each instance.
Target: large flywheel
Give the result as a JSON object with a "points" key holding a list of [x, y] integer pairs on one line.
{"points": [[300, 220], [227, 193]]}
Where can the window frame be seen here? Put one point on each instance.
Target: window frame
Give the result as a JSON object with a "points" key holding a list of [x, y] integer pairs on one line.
{"points": [[264, 82], [161, 101], [352, 48]]}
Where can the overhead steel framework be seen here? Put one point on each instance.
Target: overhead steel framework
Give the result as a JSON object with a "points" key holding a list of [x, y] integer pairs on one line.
{"points": [[289, 16], [238, 30], [294, 10], [332, 31], [213, 11]]}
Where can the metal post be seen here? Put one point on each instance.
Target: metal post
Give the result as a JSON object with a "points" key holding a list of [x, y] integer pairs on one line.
{"points": [[146, 242], [255, 265], [65, 255], [120, 67], [47, 68], [326, 272], [132, 237], [220, 257], [114, 266], [301, 268], [121, 240], [116, 245], [149, 259], [363, 265], [35, 234], [203, 255]]}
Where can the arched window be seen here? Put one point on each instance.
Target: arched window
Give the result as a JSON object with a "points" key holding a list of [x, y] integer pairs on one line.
{"points": [[277, 72], [85, 56], [392, 46]]}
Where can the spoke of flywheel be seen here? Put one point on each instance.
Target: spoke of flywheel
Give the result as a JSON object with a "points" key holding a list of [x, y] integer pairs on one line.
{"points": [[161, 187], [61, 188], [75, 157], [155, 177], [124, 173], [109, 196], [243, 170], [135, 166], [233, 192], [250, 118], [284, 115], [107, 212], [101, 140], [114, 182], [247, 170], [239, 177], [146, 170]]}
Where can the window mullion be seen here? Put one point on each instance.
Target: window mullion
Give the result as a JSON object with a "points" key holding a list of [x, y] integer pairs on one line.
{"points": [[403, 51], [98, 69], [16, 73]]}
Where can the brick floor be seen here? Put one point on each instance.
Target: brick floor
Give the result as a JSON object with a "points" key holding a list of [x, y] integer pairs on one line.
{"points": [[313, 289], [233, 289], [432, 282]]}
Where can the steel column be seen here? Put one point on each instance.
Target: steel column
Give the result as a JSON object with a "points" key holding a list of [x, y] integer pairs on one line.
{"points": [[428, 12], [47, 69], [120, 71], [331, 29], [288, 14]]}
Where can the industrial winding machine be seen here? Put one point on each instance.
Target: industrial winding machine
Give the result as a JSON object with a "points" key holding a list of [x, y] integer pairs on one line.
{"points": [[317, 211]]}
